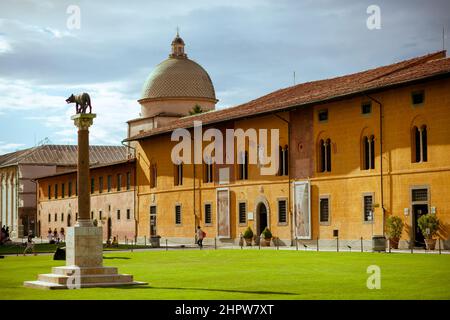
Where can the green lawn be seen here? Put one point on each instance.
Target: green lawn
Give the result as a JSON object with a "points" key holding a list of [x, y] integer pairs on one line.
{"points": [[50, 248], [246, 274]]}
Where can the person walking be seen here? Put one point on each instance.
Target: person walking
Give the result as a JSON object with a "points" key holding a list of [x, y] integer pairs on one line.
{"points": [[200, 236], [30, 245]]}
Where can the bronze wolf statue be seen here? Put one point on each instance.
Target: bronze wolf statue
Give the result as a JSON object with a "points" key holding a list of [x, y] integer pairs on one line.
{"points": [[82, 102]]}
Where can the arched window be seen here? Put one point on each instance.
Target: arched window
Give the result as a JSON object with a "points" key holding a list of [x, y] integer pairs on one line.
{"points": [[283, 161], [368, 148], [208, 171], [243, 166], [419, 144], [153, 175], [325, 155]]}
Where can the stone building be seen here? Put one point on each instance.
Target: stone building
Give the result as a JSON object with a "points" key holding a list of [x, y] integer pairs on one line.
{"points": [[112, 200], [354, 150], [18, 169]]}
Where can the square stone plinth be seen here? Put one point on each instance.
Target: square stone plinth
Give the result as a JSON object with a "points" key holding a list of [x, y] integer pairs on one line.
{"points": [[84, 246]]}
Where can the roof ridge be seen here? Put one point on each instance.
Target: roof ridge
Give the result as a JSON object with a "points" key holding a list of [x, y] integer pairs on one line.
{"points": [[412, 63]]}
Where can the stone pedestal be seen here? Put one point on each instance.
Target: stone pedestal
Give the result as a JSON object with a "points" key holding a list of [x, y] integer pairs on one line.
{"points": [[84, 246], [84, 241]]}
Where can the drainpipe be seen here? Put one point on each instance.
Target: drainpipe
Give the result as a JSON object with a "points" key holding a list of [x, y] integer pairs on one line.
{"points": [[291, 214], [381, 158]]}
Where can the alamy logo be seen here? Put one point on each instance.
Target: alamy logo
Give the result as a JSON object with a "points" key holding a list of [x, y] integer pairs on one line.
{"points": [[221, 150], [374, 280], [73, 281], [374, 20], [74, 20]]}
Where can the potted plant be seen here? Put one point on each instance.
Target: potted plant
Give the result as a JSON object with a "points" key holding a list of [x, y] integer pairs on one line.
{"points": [[267, 236], [394, 230], [248, 236], [429, 225]]}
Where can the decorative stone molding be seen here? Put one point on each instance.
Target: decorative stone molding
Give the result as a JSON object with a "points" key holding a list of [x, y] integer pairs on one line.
{"points": [[83, 120]]}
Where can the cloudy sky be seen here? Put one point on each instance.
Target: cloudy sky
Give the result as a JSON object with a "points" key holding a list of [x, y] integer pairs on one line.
{"points": [[249, 48]]}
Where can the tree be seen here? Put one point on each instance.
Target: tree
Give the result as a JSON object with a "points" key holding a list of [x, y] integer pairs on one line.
{"points": [[196, 110]]}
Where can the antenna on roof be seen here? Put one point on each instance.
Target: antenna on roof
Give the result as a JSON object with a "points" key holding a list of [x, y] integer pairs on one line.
{"points": [[443, 38], [294, 78]]}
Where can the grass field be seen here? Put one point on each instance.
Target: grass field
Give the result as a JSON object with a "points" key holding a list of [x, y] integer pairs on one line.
{"points": [[246, 274], [50, 248]]}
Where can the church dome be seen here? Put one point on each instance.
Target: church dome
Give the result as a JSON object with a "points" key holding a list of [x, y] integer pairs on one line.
{"points": [[178, 77]]}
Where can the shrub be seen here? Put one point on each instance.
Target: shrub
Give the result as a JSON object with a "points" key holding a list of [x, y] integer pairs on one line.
{"points": [[266, 233], [248, 234], [394, 226], [430, 223]]}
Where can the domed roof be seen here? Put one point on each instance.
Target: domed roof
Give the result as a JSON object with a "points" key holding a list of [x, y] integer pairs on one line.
{"points": [[178, 77]]}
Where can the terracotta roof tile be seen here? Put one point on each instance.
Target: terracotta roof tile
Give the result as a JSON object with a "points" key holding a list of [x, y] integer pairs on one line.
{"points": [[422, 67], [63, 155]]}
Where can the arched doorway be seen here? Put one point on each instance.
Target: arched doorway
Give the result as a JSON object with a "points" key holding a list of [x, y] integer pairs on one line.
{"points": [[69, 220], [261, 212], [109, 233]]}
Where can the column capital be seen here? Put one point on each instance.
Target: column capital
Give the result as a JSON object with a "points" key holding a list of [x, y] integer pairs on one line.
{"points": [[83, 120]]}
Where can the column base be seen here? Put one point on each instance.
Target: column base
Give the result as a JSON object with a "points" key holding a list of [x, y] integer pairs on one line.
{"points": [[73, 277]]}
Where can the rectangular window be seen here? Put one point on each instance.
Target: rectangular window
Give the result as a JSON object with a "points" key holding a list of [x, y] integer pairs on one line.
{"points": [[324, 209], [282, 211], [323, 115], [92, 185], [208, 213], [56, 217], [119, 182], [366, 107], [92, 215], [153, 221], [49, 217], [56, 191], [417, 98], [242, 207], [118, 214], [62, 217], [100, 184], [109, 182], [100, 215], [70, 189], [128, 180], [63, 191], [128, 214], [368, 208], [49, 192], [178, 214]]}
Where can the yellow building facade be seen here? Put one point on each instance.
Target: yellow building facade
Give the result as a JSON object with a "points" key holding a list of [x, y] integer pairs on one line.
{"points": [[353, 151]]}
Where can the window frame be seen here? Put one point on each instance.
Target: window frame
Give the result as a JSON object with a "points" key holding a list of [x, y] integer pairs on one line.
{"points": [[363, 195], [322, 111], [326, 196], [209, 203], [181, 214], [242, 224], [285, 199]]}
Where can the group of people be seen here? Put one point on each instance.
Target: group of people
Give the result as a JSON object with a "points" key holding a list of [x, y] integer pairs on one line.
{"points": [[54, 236], [4, 235]]}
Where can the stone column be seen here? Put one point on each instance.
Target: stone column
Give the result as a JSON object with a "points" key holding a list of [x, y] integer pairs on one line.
{"points": [[83, 122], [84, 242]]}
